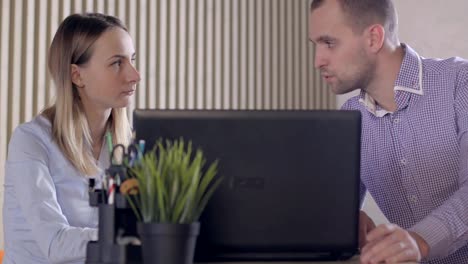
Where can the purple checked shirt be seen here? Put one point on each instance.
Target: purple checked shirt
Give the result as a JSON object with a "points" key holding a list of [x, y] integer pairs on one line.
{"points": [[414, 161]]}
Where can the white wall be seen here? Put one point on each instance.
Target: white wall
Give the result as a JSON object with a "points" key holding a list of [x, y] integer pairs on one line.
{"points": [[434, 28]]}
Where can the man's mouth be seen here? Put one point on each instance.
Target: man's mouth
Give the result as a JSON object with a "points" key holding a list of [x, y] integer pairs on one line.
{"points": [[129, 92], [327, 77]]}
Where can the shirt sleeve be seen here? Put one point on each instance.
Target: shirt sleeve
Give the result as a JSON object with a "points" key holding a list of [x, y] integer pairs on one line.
{"points": [[27, 166], [362, 193], [446, 228]]}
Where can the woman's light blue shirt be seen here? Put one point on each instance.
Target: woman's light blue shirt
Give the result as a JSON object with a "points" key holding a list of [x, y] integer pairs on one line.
{"points": [[46, 214]]}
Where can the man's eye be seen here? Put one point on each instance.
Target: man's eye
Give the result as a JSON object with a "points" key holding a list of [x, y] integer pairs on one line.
{"points": [[118, 63], [329, 44]]}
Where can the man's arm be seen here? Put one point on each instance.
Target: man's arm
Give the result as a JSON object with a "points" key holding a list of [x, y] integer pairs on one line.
{"points": [[446, 228]]}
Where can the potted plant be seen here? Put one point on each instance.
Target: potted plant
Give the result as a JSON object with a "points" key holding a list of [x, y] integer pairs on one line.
{"points": [[173, 189]]}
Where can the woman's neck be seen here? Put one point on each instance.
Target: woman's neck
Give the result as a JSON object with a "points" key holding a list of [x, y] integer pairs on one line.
{"points": [[97, 122]]}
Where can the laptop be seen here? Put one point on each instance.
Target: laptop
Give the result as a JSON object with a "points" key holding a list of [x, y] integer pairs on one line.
{"points": [[291, 180]]}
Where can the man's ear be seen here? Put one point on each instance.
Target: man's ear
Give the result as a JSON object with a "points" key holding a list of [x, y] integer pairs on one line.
{"points": [[375, 37], [76, 76]]}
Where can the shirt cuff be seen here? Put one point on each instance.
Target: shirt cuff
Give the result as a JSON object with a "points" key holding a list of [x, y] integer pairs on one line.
{"points": [[436, 234], [92, 234]]}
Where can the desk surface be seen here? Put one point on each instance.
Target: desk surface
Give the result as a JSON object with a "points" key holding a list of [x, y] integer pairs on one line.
{"points": [[354, 260]]}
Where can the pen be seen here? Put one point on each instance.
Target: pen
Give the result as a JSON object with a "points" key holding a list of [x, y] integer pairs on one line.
{"points": [[141, 148], [141, 144], [110, 145], [111, 191]]}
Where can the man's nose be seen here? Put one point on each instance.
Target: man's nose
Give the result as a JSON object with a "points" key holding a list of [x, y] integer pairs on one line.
{"points": [[319, 60]]}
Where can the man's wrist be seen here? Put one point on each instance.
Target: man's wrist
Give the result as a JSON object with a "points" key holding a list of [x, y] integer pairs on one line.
{"points": [[422, 244]]}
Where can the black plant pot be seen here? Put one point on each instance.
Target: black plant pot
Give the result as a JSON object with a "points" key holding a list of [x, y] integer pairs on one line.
{"points": [[168, 243]]}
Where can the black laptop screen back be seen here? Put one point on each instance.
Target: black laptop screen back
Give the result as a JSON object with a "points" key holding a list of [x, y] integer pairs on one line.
{"points": [[291, 180]]}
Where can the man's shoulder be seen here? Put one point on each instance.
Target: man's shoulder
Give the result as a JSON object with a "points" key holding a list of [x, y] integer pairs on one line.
{"points": [[453, 64]]}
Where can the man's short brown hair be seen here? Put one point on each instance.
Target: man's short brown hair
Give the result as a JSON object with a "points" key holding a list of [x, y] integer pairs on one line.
{"points": [[363, 13]]}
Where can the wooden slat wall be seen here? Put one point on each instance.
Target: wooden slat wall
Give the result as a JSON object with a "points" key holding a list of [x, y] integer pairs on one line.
{"points": [[192, 54]]}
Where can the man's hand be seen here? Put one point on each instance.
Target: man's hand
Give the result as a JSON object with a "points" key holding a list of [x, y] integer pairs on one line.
{"points": [[389, 243], [365, 226]]}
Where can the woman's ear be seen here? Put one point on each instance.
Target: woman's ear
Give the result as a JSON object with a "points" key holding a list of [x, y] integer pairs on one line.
{"points": [[76, 76], [375, 37]]}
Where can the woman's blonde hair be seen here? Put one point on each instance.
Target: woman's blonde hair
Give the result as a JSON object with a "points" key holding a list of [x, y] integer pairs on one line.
{"points": [[73, 44]]}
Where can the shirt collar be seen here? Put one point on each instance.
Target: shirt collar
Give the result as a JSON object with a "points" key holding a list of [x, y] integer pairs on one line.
{"points": [[409, 81], [369, 103]]}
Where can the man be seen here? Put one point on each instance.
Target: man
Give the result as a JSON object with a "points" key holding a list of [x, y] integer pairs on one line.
{"points": [[414, 158]]}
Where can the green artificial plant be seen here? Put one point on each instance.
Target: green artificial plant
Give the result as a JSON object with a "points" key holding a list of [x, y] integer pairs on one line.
{"points": [[172, 185]]}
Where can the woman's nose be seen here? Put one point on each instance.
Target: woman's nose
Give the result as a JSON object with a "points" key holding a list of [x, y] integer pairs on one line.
{"points": [[134, 75]]}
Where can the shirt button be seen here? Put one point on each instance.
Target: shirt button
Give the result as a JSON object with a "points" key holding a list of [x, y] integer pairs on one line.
{"points": [[414, 198], [396, 120], [404, 161]]}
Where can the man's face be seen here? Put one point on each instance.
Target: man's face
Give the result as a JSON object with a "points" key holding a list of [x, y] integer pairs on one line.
{"points": [[340, 53]]}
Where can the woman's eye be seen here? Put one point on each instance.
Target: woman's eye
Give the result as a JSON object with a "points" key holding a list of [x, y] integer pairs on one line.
{"points": [[117, 63]]}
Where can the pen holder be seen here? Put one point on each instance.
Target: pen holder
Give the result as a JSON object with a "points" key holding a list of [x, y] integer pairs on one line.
{"points": [[117, 226]]}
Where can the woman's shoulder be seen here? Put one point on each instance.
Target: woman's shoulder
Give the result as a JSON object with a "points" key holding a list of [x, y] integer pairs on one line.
{"points": [[39, 126], [33, 136]]}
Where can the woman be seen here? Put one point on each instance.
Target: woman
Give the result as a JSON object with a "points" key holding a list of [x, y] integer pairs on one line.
{"points": [[47, 217]]}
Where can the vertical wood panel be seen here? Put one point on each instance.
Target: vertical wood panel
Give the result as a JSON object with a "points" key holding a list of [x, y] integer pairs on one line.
{"points": [[15, 55], [173, 22], [40, 66], [304, 24], [250, 55], [131, 20], [52, 25], [234, 54], [4, 46], [4, 69], [266, 48], [199, 53], [204, 58], [191, 14], [163, 65], [243, 63], [28, 61], [282, 40], [218, 46], [289, 51], [226, 60], [181, 40], [99, 6], [151, 56], [110, 7], [297, 40], [259, 54], [141, 49], [208, 51], [87, 5]]}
